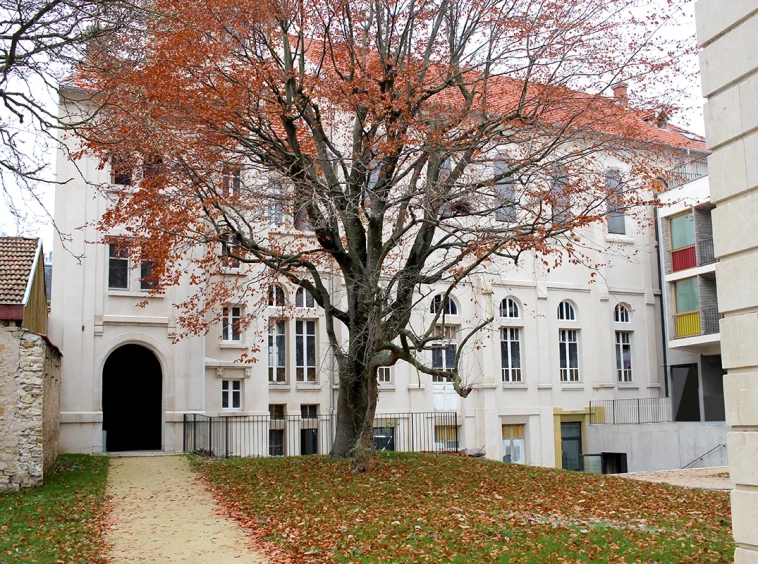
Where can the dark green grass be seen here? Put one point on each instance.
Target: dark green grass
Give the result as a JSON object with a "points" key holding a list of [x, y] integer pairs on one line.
{"points": [[436, 508], [59, 522]]}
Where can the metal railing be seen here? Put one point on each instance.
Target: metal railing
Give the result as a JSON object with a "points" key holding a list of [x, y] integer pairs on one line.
{"points": [[293, 435], [705, 254], [709, 321], [630, 411], [696, 323], [687, 172]]}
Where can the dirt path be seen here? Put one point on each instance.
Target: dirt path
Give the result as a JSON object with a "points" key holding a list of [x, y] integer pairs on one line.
{"points": [[707, 478], [161, 513]]}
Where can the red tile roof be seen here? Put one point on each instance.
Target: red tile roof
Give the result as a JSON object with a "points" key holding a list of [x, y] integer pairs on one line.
{"points": [[17, 256]]}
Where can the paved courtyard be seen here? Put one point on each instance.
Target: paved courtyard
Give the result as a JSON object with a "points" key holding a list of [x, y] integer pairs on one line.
{"points": [[707, 478]]}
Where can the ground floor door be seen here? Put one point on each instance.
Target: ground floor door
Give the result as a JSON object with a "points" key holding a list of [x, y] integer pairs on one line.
{"points": [[132, 400], [571, 446]]}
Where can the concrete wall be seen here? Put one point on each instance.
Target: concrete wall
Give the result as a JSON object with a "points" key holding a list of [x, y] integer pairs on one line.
{"points": [[729, 67], [29, 407], [662, 446]]}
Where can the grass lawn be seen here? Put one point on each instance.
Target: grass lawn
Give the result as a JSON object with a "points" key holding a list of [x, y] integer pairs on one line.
{"points": [[59, 522], [436, 508]]}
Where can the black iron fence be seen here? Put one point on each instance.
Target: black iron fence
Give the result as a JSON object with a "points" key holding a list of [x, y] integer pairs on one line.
{"points": [[621, 411], [687, 172], [293, 435]]}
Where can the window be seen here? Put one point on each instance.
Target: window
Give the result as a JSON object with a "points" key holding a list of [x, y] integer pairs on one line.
{"points": [[147, 280], [121, 172], [624, 356], [683, 254], [276, 430], [309, 411], [621, 314], [384, 375], [566, 311], [231, 180], [384, 438], [274, 206], [276, 411], [118, 266], [686, 295], [561, 198], [569, 353], [303, 298], [230, 324], [231, 394], [445, 437], [275, 296], [450, 307], [614, 193], [276, 351], [514, 446], [443, 356], [228, 248], [509, 309], [505, 194], [153, 167], [301, 221], [510, 354], [305, 350]]}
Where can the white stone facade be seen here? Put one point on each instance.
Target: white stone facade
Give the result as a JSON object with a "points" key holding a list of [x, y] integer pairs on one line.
{"points": [[729, 68]]}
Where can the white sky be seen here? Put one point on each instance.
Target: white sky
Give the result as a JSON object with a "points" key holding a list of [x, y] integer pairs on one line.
{"points": [[38, 224]]}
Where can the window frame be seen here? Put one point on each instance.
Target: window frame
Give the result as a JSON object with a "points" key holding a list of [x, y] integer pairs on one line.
{"points": [[614, 191], [505, 196], [277, 351], [624, 375], [119, 252], [231, 389], [447, 338], [512, 429], [385, 380], [231, 321], [621, 314], [301, 298], [231, 178], [275, 292], [569, 374], [566, 311], [510, 374], [507, 305], [306, 350], [451, 307]]}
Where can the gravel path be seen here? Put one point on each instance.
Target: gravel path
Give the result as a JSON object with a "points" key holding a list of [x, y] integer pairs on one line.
{"points": [[707, 478], [161, 513]]}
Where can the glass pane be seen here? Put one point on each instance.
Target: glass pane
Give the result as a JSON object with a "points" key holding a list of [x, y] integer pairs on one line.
{"points": [[617, 223], [573, 355], [450, 357], [687, 298], [504, 356], [225, 328], [299, 353], [563, 345], [236, 400], [118, 273], [515, 354], [518, 451], [280, 350], [146, 280], [682, 231], [437, 358], [224, 400], [311, 352]]}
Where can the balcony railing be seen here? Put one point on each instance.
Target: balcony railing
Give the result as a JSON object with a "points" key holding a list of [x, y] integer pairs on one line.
{"points": [[625, 411], [696, 323], [687, 172], [699, 254]]}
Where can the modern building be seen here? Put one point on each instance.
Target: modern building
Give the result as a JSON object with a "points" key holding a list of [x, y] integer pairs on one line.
{"points": [[557, 343], [729, 70]]}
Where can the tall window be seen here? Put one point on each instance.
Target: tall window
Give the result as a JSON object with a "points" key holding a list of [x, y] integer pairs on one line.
{"points": [[275, 296], [686, 295], [384, 375], [569, 354], [514, 446], [443, 357], [450, 308], [303, 298], [559, 189], [276, 430], [118, 266], [147, 280], [274, 204], [624, 356], [614, 194], [276, 351], [510, 353], [566, 311], [229, 246], [231, 394], [305, 350], [505, 194], [683, 254], [621, 314], [231, 180], [230, 324], [121, 172], [509, 309]]}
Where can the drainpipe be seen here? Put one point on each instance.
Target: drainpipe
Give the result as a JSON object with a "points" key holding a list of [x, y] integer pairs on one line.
{"points": [[662, 285]]}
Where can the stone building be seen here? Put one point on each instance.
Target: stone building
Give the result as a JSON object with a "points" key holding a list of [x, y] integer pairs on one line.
{"points": [[29, 368], [729, 70]]}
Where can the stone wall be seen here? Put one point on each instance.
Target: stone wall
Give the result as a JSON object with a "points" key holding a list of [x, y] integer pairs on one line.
{"points": [[29, 407]]}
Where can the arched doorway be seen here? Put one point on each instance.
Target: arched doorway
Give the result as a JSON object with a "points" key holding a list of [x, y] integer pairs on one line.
{"points": [[132, 400]]}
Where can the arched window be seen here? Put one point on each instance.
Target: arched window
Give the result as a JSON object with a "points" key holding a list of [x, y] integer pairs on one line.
{"points": [[509, 308], [566, 311], [621, 314], [303, 298], [275, 295], [450, 307]]}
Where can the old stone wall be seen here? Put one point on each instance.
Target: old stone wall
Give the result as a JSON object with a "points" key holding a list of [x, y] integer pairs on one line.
{"points": [[29, 407]]}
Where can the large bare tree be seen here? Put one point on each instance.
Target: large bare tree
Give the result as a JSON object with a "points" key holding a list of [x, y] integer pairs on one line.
{"points": [[395, 145]]}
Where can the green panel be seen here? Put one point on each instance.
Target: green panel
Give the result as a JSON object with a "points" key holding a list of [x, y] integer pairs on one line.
{"points": [[687, 298], [682, 231]]}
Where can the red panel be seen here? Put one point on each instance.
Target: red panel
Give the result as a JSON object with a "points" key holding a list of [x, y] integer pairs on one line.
{"points": [[683, 259]]}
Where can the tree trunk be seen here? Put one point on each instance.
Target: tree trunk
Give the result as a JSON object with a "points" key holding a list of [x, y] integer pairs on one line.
{"points": [[356, 406]]}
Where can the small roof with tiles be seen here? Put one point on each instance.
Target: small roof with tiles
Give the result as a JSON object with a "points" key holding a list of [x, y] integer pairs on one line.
{"points": [[17, 259]]}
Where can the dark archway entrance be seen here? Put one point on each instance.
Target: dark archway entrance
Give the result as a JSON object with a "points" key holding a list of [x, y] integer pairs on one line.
{"points": [[132, 400]]}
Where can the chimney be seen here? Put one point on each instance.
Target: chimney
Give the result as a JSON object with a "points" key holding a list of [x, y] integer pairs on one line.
{"points": [[620, 91]]}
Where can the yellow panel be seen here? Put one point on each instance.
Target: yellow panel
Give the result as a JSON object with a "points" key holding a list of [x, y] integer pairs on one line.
{"points": [[688, 324]]}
